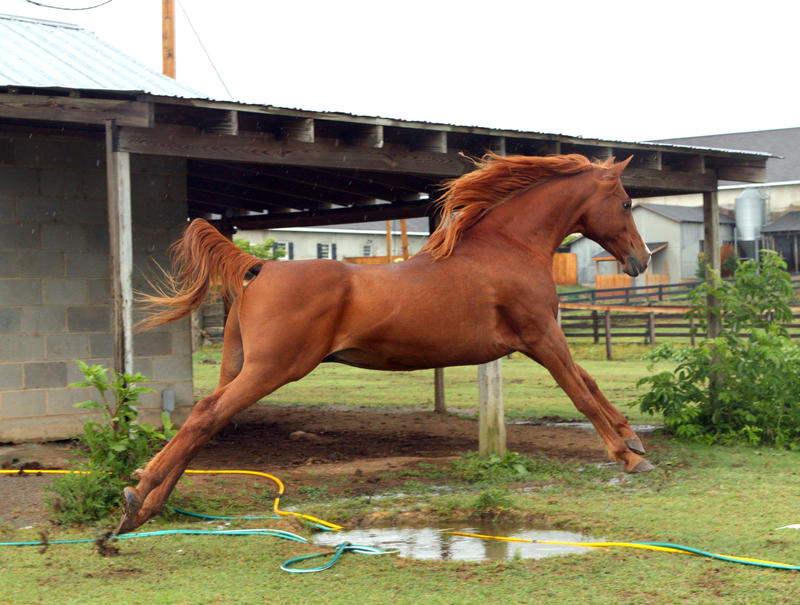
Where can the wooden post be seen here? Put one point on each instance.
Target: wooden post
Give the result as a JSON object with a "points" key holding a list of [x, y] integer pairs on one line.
{"points": [[608, 334], [388, 241], [118, 178], [711, 250], [651, 328], [595, 326], [438, 391], [404, 237], [691, 330], [168, 37], [491, 424]]}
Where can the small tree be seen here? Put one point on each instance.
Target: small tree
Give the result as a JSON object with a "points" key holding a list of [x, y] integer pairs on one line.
{"points": [[266, 249], [741, 386], [112, 448]]}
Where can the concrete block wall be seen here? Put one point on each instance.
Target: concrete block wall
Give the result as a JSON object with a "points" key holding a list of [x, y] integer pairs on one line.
{"points": [[55, 287]]}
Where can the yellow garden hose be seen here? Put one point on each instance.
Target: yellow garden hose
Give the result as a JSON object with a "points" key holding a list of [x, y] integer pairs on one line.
{"points": [[275, 504]]}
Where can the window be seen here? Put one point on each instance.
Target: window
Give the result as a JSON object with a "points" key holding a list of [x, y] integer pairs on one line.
{"points": [[288, 250], [368, 249], [326, 250]]}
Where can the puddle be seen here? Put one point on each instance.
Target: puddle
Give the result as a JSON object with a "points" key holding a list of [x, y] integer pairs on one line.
{"points": [[429, 543]]}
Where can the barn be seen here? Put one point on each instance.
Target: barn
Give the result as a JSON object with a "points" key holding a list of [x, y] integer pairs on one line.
{"points": [[102, 162]]}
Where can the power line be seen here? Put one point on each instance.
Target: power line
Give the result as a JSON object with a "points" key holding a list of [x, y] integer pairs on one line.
{"points": [[67, 8], [208, 56]]}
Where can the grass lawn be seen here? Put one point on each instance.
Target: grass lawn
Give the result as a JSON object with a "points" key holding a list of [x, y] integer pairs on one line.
{"points": [[529, 391]]}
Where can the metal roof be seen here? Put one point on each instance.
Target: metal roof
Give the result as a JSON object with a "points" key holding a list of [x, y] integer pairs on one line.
{"points": [[789, 222], [50, 54], [683, 214]]}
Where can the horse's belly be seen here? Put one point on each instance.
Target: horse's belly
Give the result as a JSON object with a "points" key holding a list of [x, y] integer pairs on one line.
{"points": [[414, 360]]}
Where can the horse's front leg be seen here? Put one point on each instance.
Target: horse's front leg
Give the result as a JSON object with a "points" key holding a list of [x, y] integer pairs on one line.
{"points": [[613, 415], [549, 347]]}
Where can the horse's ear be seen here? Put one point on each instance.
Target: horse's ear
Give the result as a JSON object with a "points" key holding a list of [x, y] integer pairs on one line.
{"points": [[621, 165]]}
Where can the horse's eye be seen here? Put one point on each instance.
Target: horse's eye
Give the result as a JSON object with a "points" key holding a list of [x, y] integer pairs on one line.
{"points": [[626, 205]]}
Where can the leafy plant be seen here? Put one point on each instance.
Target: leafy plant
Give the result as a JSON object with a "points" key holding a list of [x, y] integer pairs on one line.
{"points": [[741, 386], [112, 448], [266, 249]]}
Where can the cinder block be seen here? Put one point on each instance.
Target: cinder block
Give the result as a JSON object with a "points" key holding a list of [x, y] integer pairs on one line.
{"points": [[38, 263], [16, 236], [33, 429], [45, 374], [149, 344], [22, 404], [9, 320], [61, 183], [44, 320], [99, 291], [39, 209], [9, 263], [101, 345], [83, 156], [21, 347], [97, 238], [66, 291], [10, 376], [87, 264], [95, 189], [89, 319], [19, 292], [91, 211], [15, 180], [62, 401], [74, 373], [67, 346], [8, 208], [144, 365], [173, 368], [33, 152], [61, 236]]}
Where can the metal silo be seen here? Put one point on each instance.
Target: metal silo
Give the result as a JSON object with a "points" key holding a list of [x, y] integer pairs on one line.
{"points": [[750, 217]]}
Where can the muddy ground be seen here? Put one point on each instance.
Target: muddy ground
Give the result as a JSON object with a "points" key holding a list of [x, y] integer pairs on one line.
{"points": [[348, 452]]}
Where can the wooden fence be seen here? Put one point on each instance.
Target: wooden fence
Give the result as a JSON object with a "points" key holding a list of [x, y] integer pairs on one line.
{"points": [[565, 268]]}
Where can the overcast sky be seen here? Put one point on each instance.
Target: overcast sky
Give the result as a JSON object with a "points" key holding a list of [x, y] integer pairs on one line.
{"points": [[622, 70]]}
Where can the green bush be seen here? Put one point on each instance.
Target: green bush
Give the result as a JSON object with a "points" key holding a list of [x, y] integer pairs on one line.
{"points": [[111, 449], [742, 386]]}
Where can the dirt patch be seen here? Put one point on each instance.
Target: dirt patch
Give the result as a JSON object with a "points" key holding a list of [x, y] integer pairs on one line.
{"points": [[307, 447]]}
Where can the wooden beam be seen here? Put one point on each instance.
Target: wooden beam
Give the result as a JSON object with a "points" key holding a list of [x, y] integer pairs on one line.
{"points": [[265, 150], [668, 181], [118, 174], [338, 216], [76, 110], [711, 250], [491, 423]]}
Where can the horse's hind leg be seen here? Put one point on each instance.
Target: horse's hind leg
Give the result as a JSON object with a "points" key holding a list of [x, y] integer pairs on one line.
{"points": [[613, 415], [232, 349], [208, 416]]}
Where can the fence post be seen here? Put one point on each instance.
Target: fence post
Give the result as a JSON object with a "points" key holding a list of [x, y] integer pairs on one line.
{"points": [[691, 330], [660, 292], [596, 326], [491, 421], [438, 391], [608, 334], [651, 328]]}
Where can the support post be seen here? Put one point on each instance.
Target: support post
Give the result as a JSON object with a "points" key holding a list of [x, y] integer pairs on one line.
{"points": [[608, 334], [651, 328], [168, 37], [712, 259], [491, 425], [438, 391], [404, 237], [388, 241], [118, 178]]}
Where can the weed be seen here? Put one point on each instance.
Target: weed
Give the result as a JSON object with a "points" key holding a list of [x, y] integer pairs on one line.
{"points": [[492, 502], [312, 492]]}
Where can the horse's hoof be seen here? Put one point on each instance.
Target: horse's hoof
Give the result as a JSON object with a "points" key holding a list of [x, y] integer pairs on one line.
{"points": [[137, 474], [643, 467], [131, 503], [635, 445]]}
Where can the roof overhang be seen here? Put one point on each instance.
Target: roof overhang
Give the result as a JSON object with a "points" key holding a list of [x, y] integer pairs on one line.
{"points": [[261, 166]]}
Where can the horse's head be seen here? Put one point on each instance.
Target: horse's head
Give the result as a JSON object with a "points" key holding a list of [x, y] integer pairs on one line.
{"points": [[608, 220]]}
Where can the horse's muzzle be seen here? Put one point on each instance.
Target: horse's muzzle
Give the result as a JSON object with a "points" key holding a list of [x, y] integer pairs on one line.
{"points": [[633, 266]]}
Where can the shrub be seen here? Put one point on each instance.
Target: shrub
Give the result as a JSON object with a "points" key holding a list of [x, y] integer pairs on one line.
{"points": [[112, 449], [742, 386]]}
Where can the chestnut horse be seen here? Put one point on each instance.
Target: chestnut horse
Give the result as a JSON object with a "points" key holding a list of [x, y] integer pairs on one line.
{"points": [[481, 288]]}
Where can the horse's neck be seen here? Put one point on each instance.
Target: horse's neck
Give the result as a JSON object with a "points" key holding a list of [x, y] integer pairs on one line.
{"points": [[542, 216]]}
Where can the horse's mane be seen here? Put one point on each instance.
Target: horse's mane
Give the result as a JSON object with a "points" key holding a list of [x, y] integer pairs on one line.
{"points": [[466, 199]]}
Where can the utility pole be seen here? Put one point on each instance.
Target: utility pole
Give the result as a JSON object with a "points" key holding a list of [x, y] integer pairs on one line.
{"points": [[168, 37]]}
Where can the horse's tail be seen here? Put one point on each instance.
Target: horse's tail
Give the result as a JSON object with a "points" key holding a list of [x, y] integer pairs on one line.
{"points": [[202, 258]]}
